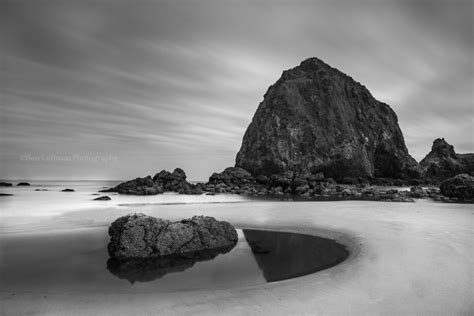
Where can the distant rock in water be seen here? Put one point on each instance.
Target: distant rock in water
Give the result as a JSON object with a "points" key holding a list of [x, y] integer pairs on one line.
{"points": [[443, 162], [5, 184], [23, 184], [141, 236], [6, 194], [164, 181], [317, 119], [460, 186], [103, 198], [67, 190]]}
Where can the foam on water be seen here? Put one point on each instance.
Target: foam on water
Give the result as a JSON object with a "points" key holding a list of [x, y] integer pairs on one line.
{"points": [[26, 202]]}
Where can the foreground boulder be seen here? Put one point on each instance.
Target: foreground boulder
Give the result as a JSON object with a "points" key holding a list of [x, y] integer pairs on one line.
{"points": [[317, 119], [141, 236], [163, 181], [443, 162], [460, 187]]}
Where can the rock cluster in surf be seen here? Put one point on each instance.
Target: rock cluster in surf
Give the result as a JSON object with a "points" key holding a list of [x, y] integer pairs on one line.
{"points": [[163, 181], [318, 133]]}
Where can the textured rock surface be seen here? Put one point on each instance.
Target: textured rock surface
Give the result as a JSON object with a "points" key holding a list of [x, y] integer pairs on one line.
{"points": [[443, 162], [317, 119], [141, 236], [232, 175], [164, 181], [460, 186]]}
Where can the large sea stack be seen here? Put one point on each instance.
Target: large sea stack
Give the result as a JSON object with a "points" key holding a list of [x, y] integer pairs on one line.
{"points": [[317, 119]]}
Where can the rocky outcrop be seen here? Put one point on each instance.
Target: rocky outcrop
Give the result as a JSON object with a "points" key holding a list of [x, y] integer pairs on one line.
{"points": [[232, 180], [5, 184], [164, 181], [459, 187], [141, 236], [23, 184], [138, 186], [232, 176], [67, 190], [443, 162], [317, 119]]}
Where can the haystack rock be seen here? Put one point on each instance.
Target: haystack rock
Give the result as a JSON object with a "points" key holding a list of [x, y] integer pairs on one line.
{"points": [[443, 162], [317, 119]]}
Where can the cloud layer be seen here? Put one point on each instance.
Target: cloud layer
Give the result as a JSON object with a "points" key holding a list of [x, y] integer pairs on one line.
{"points": [[161, 84]]}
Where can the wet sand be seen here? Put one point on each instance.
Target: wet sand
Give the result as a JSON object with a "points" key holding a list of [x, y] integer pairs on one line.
{"points": [[406, 258]]}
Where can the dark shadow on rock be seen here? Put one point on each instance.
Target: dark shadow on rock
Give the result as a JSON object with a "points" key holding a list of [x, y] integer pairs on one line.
{"points": [[282, 255], [149, 269]]}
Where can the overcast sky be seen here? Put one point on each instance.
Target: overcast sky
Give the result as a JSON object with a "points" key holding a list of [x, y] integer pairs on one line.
{"points": [[151, 85]]}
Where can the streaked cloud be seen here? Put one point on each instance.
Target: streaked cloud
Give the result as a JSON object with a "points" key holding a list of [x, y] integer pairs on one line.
{"points": [[161, 84]]}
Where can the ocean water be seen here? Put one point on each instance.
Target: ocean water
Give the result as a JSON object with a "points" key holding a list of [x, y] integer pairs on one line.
{"points": [[411, 257], [77, 262], [26, 202], [51, 243]]}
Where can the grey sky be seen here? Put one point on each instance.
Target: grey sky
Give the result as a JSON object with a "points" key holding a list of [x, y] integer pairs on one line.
{"points": [[165, 84]]}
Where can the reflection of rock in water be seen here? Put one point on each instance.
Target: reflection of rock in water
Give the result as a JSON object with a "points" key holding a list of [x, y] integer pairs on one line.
{"points": [[149, 269], [282, 255]]}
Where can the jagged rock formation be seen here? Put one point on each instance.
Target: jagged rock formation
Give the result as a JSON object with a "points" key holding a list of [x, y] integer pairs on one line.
{"points": [[317, 119], [164, 181], [443, 162], [460, 187], [141, 236]]}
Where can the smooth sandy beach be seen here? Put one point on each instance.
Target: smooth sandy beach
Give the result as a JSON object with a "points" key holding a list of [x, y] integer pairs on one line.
{"points": [[407, 258]]}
